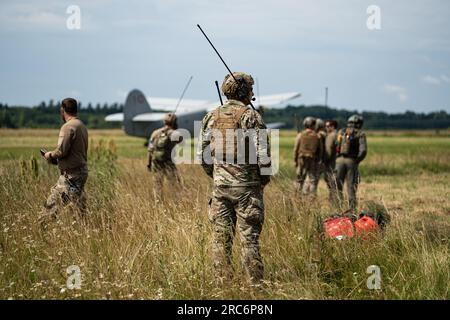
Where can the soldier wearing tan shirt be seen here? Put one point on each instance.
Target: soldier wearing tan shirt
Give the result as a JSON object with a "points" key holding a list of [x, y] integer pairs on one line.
{"points": [[330, 159], [308, 152], [71, 154]]}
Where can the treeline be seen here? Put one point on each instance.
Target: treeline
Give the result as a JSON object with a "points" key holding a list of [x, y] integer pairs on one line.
{"points": [[46, 115], [293, 117]]}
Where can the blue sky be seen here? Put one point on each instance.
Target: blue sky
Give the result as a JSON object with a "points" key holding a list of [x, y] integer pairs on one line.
{"points": [[288, 45]]}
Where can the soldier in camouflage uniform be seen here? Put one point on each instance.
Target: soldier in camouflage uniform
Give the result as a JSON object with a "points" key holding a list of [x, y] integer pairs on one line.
{"points": [[71, 156], [307, 155], [330, 159], [160, 146], [351, 150], [239, 181]]}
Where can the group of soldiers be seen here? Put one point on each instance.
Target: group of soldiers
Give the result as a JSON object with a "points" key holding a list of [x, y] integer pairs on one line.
{"points": [[237, 198], [322, 150]]}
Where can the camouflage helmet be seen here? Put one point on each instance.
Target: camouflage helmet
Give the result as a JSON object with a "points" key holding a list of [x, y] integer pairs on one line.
{"points": [[320, 124], [170, 119], [309, 122], [356, 120], [239, 89]]}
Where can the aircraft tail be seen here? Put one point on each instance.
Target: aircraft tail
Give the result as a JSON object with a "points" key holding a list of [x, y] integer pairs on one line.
{"points": [[135, 104]]}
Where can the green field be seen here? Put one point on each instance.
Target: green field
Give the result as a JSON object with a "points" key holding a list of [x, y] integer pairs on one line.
{"points": [[134, 245]]}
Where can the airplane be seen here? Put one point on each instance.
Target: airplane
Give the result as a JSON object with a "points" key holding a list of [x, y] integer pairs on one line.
{"points": [[140, 118]]}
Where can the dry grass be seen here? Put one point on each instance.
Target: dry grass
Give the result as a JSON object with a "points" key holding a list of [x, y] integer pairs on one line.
{"points": [[133, 245]]}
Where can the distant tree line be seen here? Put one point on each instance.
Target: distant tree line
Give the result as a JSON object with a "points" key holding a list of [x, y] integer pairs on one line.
{"points": [[46, 115], [293, 117]]}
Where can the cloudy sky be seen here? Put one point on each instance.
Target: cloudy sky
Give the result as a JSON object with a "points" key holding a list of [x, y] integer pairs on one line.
{"points": [[288, 45]]}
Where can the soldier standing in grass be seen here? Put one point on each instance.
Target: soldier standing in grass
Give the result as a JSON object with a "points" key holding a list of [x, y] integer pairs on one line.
{"points": [[160, 146], [320, 130], [330, 159], [71, 154], [307, 155], [351, 150], [226, 156]]}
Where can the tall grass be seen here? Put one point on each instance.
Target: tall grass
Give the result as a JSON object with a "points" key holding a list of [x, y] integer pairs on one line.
{"points": [[134, 244]]}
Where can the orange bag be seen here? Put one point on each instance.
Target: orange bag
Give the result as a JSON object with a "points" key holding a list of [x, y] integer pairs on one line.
{"points": [[339, 228], [365, 225]]}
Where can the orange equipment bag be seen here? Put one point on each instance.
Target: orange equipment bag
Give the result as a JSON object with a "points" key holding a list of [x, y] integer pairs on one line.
{"points": [[365, 225], [344, 227], [338, 227]]}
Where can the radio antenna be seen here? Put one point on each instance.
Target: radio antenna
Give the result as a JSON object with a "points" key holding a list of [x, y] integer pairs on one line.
{"points": [[182, 95], [220, 57]]}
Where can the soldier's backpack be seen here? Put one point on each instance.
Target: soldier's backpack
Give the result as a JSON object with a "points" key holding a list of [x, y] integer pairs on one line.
{"points": [[162, 144], [224, 141], [309, 142], [348, 143]]}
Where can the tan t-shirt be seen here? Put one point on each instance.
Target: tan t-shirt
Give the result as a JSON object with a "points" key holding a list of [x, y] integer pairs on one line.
{"points": [[71, 151], [330, 148]]}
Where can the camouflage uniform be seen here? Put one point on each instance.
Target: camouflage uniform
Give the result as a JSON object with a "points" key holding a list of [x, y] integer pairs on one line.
{"points": [[351, 150], [71, 154], [68, 189], [307, 154], [238, 191], [160, 146]]}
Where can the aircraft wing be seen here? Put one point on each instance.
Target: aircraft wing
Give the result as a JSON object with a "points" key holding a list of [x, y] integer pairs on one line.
{"points": [[169, 104], [146, 117], [150, 117], [115, 117], [163, 104], [270, 101], [276, 99], [188, 106]]}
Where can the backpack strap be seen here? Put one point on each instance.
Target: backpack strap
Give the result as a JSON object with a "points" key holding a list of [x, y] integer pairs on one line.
{"points": [[216, 114], [238, 115]]}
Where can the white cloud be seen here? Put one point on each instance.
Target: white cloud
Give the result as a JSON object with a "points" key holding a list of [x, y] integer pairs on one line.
{"points": [[436, 80], [29, 17], [46, 16], [431, 80], [399, 91]]}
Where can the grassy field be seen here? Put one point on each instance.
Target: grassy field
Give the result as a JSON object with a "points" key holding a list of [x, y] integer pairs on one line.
{"points": [[134, 245]]}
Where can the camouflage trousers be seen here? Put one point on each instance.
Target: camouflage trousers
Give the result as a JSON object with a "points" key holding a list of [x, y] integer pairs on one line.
{"points": [[347, 170], [242, 207], [69, 189], [162, 171], [307, 168], [329, 174]]}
